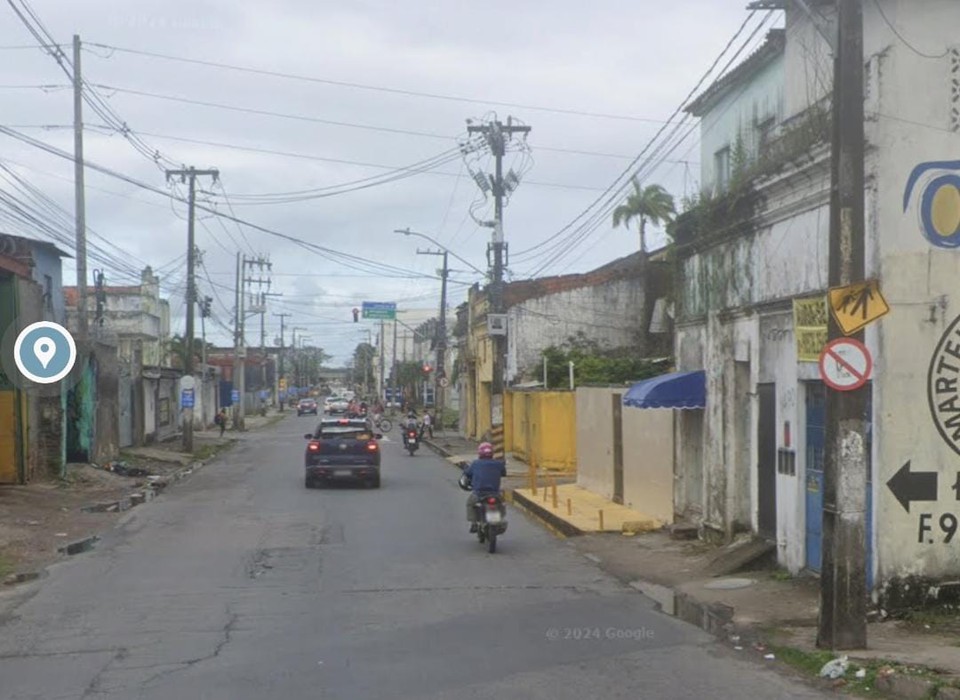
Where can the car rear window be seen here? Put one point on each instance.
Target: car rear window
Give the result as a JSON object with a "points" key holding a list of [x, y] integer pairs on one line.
{"points": [[336, 432]]}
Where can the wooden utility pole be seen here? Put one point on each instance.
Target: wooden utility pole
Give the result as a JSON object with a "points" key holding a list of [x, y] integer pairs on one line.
{"points": [[843, 578], [497, 134], [189, 175], [79, 196], [282, 368]]}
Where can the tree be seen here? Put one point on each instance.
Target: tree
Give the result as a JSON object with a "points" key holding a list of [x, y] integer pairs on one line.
{"points": [[363, 356], [645, 204], [177, 351]]}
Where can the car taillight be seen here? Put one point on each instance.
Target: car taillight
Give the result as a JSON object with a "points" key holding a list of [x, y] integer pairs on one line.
{"points": [[314, 446], [372, 446], [491, 501]]}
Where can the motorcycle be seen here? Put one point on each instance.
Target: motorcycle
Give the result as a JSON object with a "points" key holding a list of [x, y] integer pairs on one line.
{"points": [[411, 440], [491, 515]]}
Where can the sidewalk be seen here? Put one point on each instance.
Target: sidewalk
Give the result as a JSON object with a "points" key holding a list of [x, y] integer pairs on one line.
{"points": [[456, 448], [736, 593]]}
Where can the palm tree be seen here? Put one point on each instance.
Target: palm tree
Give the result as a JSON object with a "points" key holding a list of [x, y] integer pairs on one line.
{"points": [[651, 203]]}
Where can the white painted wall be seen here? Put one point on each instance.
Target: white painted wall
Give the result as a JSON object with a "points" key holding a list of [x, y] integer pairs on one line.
{"points": [[607, 313]]}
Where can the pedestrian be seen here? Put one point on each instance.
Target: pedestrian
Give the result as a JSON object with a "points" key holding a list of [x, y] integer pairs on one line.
{"points": [[221, 420], [427, 425]]}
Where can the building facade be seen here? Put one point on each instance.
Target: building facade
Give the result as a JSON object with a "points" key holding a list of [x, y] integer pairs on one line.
{"points": [[753, 278]]}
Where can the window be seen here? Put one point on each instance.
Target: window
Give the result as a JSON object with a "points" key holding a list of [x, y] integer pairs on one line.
{"points": [[48, 293], [721, 167], [765, 131]]}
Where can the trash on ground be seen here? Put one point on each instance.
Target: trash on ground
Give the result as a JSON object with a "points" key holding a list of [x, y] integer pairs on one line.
{"points": [[835, 669], [769, 657], [862, 673]]}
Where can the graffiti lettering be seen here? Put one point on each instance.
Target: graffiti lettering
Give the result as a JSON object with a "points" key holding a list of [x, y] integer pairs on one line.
{"points": [[776, 335], [943, 386], [948, 523]]}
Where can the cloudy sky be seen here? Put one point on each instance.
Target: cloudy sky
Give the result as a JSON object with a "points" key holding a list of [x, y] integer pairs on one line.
{"points": [[389, 85]]}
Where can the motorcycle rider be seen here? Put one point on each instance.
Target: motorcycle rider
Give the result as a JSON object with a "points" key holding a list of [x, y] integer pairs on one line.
{"points": [[484, 474], [411, 424]]}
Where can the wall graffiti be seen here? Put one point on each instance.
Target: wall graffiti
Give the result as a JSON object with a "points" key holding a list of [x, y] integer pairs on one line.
{"points": [[934, 187], [943, 379]]}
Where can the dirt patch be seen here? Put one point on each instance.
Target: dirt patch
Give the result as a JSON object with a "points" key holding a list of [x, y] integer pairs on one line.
{"points": [[38, 519]]}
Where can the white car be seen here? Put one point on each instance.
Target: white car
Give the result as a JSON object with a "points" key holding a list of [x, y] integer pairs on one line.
{"points": [[336, 404]]}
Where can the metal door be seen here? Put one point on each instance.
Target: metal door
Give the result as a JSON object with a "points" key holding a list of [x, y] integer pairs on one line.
{"points": [[617, 448], [767, 462], [816, 440], [816, 437], [125, 415]]}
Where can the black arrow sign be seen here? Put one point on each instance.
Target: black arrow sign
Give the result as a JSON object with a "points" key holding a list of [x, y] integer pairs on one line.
{"points": [[910, 486]]}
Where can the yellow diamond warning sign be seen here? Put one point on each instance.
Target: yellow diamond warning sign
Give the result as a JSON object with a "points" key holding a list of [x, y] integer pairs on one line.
{"points": [[857, 305]]}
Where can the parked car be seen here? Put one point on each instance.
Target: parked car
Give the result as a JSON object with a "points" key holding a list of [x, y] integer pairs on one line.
{"points": [[305, 406], [342, 449]]}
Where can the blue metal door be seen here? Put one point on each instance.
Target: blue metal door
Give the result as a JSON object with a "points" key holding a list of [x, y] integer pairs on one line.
{"points": [[816, 439]]}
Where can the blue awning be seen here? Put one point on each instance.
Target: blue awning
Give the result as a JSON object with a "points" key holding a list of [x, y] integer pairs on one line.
{"points": [[676, 390]]}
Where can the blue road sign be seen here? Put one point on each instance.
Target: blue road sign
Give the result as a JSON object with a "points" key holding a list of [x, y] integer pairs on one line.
{"points": [[187, 398], [235, 396], [380, 310]]}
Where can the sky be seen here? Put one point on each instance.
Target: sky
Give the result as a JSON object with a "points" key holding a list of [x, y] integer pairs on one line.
{"points": [[377, 86]]}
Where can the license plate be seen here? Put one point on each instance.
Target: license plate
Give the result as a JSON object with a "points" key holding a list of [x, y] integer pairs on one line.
{"points": [[342, 472], [493, 516]]}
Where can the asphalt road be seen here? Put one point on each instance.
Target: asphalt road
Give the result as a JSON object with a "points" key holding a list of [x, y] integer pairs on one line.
{"points": [[239, 584]]}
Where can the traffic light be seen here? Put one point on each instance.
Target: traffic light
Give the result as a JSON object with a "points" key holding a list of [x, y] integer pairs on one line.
{"points": [[356, 315]]}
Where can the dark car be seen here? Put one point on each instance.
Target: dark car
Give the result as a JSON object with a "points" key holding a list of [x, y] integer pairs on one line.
{"points": [[342, 449], [306, 406]]}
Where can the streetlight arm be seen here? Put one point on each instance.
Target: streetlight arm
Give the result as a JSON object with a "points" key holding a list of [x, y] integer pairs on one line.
{"points": [[408, 232]]}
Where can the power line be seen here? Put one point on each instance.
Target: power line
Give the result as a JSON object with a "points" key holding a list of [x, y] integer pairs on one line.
{"points": [[345, 259], [360, 86], [594, 220], [903, 40]]}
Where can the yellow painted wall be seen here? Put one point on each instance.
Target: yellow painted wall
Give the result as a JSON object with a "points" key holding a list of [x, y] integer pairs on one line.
{"points": [[543, 427], [9, 466]]}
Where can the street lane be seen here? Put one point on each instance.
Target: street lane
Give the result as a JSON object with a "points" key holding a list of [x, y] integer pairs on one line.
{"points": [[240, 584]]}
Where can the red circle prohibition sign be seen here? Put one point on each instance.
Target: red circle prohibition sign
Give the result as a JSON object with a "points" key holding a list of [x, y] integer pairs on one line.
{"points": [[845, 364]]}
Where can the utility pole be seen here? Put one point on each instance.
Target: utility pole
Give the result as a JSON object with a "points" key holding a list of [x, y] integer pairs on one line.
{"points": [[80, 197], [189, 175], [497, 134], [282, 369], [395, 371], [237, 349], [843, 589], [204, 313], [382, 383], [441, 338]]}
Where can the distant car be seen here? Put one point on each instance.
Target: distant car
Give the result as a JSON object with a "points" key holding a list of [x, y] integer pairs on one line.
{"points": [[342, 449], [337, 404], [306, 406]]}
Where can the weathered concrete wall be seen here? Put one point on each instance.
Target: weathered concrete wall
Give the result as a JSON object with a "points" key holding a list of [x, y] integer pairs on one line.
{"points": [[595, 440], [107, 437], [607, 313], [47, 272], [648, 461]]}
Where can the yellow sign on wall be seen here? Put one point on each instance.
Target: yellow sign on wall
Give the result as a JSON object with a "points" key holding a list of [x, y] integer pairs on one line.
{"points": [[857, 305], [810, 327]]}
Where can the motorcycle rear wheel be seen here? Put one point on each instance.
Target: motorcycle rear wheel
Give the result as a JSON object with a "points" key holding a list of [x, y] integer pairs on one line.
{"points": [[492, 541]]}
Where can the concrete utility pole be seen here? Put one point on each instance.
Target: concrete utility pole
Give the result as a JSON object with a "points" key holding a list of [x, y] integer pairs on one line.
{"points": [[383, 380], [237, 352], [441, 338], [189, 175], [843, 589], [395, 381], [80, 197], [497, 134], [282, 368]]}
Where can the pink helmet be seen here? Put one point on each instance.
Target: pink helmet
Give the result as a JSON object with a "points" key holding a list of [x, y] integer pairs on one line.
{"points": [[485, 450]]}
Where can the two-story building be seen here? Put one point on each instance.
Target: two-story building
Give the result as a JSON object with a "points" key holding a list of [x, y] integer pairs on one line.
{"points": [[751, 308], [32, 424]]}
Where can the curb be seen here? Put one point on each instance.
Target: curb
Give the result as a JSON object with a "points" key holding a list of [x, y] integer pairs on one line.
{"points": [[84, 545], [551, 520], [446, 454]]}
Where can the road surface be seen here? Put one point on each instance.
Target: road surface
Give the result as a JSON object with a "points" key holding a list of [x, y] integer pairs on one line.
{"points": [[239, 584]]}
